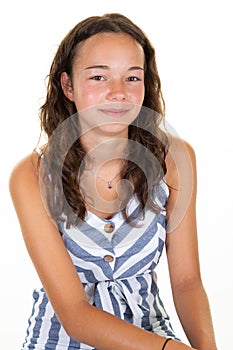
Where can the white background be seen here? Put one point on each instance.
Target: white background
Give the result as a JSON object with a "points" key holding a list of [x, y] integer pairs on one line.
{"points": [[193, 41]]}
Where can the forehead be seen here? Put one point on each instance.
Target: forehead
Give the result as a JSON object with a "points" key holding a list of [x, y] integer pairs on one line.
{"points": [[110, 46]]}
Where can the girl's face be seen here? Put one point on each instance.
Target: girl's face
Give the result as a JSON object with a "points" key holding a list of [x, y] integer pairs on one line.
{"points": [[107, 77]]}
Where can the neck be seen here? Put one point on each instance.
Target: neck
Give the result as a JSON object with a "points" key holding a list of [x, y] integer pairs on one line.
{"points": [[101, 150]]}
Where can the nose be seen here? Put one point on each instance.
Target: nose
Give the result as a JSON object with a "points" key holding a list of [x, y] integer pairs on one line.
{"points": [[116, 91]]}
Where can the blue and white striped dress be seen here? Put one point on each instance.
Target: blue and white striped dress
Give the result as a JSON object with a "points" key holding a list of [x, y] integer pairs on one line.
{"points": [[117, 270]]}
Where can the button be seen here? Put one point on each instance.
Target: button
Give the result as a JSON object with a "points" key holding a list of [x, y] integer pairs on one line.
{"points": [[108, 258], [109, 228]]}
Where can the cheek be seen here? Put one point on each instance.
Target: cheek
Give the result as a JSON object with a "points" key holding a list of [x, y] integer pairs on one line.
{"points": [[138, 96], [86, 97]]}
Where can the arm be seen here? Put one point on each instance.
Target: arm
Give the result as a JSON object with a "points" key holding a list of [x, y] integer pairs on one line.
{"points": [[189, 295], [59, 277]]}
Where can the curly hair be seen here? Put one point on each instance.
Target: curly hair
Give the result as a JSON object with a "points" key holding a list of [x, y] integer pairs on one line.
{"points": [[65, 194]]}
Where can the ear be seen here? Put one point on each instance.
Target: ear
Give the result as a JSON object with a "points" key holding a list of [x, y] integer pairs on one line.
{"points": [[66, 85]]}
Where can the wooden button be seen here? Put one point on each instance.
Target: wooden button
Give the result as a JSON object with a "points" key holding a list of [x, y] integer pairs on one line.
{"points": [[108, 258], [109, 228]]}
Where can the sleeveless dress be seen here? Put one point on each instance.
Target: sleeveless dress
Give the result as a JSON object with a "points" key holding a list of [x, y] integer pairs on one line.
{"points": [[116, 264]]}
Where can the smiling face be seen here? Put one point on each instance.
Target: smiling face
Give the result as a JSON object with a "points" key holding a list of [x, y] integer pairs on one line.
{"points": [[108, 77]]}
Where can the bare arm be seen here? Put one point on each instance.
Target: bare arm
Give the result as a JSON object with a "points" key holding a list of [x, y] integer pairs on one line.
{"points": [[59, 277], [182, 248]]}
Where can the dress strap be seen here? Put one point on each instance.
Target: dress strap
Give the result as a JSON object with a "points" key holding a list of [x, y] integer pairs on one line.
{"points": [[39, 152]]}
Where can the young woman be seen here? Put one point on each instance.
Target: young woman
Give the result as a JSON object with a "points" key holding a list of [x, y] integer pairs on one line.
{"points": [[101, 199]]}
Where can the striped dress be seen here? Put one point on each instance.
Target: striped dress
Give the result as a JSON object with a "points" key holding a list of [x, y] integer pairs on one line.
{"points": [[116, 264]]}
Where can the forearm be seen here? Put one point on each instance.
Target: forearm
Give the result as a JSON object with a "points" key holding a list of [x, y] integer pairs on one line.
{"points": [[194, 313], [105, 331]]}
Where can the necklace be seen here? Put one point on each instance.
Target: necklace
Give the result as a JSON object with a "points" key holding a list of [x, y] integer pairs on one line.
{"points": [[108, 182]]}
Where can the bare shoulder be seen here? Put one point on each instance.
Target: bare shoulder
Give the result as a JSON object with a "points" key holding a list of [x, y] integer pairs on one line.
{"points": [[181, 179], [181, 159], [24, 175], [180, 149]]}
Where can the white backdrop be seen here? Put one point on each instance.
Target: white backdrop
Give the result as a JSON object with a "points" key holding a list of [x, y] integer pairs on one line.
{"points": [[193, 41]]}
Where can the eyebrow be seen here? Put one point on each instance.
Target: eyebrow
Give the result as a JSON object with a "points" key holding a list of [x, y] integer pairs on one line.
{"points": [[101, 66]]}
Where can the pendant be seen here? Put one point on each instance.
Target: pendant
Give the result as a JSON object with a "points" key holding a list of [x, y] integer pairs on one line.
{"points": [[109, 185]]}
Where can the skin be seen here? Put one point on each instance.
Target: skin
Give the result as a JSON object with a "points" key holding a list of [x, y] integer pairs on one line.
{"points": [[100, 85], [116, 83]]}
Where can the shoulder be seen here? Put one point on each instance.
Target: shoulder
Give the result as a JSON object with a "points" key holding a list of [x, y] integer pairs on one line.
{"points": [[180, 160], [181, 181], [24, 174], [180, 150], [26, 193]]}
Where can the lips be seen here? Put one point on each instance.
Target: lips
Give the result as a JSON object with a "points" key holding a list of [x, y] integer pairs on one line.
{"points": [[114, 112]]}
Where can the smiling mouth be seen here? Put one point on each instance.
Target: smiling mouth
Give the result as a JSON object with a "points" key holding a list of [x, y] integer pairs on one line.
{"points": [[113, 112]]}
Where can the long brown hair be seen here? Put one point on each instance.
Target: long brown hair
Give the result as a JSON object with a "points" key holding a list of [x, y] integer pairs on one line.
{"points": [[65, 195]]}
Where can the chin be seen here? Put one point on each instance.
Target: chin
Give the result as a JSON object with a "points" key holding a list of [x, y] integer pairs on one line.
{"points": [[114, 129]]}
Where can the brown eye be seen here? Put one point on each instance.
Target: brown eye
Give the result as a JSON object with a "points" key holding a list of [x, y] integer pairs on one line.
{"points": [[133, 79], [98, 77]]}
